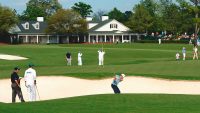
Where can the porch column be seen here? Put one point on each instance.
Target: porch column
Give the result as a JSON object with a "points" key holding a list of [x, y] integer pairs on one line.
{"points": [[84, 38], [26, 39], [89, 38], [57, 38], [97, 38], [129, 38], [67, 39], [37, 39], [113, 38], [138, 37], [122, 38], [47, 38], [104, 38]]}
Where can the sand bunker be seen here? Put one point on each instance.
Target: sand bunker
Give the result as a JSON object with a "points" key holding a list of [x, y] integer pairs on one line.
{"points": [[11, 57], [62, 87]]}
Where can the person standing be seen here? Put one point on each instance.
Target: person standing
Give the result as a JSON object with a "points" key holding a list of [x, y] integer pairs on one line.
{"points": [[159, 41], [177, 56], [79, 58], [101, 57], [195, 52], [16, 89], [68, 58], [30, 82], [118, 78], [184, 53]]}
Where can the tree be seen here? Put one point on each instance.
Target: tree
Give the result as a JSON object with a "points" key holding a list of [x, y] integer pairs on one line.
{"points": [[83, 9], [97, 16], [8, 19], [116, 14], [40, 8], [141, 20], [66, 21]]}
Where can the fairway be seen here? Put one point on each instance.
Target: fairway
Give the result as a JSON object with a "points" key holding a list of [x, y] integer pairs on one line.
{"points": [[134, 59], [148, 60]]}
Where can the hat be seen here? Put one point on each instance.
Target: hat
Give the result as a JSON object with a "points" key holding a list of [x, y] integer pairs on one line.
{"points": [[123, 75], [30, 65], [17, 68]]}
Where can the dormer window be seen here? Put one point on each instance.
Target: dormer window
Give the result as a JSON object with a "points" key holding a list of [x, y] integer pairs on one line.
{"points": [[113, 26], [37, 26], [26, 25]]}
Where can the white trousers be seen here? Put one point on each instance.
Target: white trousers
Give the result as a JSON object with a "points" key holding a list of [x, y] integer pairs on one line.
{"points": [[31, 92], [184, 55], [195, 56], [79, 61], [101, 61]]}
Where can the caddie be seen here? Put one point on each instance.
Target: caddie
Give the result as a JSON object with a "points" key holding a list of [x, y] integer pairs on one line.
{"points": [[30, 82]]}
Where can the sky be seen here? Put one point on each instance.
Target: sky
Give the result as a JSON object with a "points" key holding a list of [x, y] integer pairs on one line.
{"points": [[103, 5]]}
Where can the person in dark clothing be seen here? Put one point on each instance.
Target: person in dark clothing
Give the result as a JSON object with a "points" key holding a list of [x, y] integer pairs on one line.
{"points": [[16, 89], [68, 58]]}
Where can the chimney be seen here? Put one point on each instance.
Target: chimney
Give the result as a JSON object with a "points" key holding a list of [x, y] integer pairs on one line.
{"points": [[40, 19], [104, 17], [88, 18]]}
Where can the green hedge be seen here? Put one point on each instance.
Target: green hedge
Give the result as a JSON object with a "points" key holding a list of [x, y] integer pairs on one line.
{"points": [[163, 41]]}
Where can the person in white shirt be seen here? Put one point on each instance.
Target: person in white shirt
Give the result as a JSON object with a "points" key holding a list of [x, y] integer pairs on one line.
{"points": [[177, 56], [80, 58], [30, 82], [101, 57], [184, 53], [195, 52]]}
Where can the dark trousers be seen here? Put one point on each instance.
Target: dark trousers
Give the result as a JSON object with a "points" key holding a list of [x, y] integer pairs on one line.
{"points": [[115, 89], [16, 90]]}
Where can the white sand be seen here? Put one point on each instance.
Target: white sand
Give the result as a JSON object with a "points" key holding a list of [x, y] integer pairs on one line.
{"points": [[11, 57], [62, 87]]}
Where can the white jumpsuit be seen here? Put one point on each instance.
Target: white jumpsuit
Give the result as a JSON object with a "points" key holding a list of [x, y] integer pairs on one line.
{"points": [[30, 77], [79, 59], [101, 57]]}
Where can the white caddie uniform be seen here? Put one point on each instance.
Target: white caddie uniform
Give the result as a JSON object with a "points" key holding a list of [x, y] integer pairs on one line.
{"points": [[30, 77], [79, 59], [177, 56], [101, 57], [195, 49]]}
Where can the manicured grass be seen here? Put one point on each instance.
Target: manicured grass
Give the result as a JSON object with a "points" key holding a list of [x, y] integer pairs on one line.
{"points": [[124, 103], [133, 59]]}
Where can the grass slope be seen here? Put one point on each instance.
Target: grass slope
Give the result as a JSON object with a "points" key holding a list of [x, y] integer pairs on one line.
{"points": [[125, 103], [133, 59]]}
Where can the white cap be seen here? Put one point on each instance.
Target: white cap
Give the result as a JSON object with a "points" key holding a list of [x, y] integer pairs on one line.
{"points": [[123, 75]]}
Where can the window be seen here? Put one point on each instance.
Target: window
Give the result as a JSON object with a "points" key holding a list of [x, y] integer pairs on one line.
{"points": [[37, 26], [26, 25], [113, 26]]}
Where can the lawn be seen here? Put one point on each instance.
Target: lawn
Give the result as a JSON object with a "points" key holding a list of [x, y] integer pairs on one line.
{"points": [[124, 103], [151, 60]]}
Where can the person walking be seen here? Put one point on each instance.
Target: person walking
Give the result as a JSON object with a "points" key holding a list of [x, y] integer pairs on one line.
{"points": [[118, 78], [30, 82], [195, 52], [101, 57], [68, 58], [79, 58], [184, 53], [15, 85]]}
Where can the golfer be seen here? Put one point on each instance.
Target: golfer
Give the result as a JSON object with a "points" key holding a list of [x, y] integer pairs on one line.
{"points": [[68, 58], [30, 82], [184, 53], [118, 78], [79, 58], [101, 57], [16, 89], [195, 52]]}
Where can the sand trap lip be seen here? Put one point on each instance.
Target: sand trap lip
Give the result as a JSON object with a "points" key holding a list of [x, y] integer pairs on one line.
{"points": [[54, 87], [11, 57]]}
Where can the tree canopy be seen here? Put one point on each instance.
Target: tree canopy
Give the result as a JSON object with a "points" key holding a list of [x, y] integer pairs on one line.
{"points": [[65, 22], [8, 19], [82, 8], [40, 8]]}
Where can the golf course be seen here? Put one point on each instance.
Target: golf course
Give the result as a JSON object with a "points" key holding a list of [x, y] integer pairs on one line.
{"points": [[133, 59]]}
